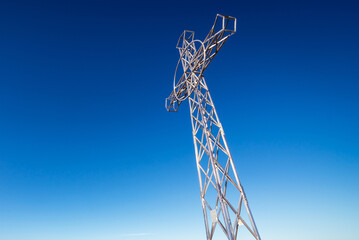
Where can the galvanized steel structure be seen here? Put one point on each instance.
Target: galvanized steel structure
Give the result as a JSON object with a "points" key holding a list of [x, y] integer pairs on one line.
{"points": [[224, 202]]}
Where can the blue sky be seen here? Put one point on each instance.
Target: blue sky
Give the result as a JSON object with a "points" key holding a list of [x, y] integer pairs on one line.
{"points": [[88, 151]]}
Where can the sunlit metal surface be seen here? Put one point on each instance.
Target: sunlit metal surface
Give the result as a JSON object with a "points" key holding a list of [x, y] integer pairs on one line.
{"points": [[224, 202]]}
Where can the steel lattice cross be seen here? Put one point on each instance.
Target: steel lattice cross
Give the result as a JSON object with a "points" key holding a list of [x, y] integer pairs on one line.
{"points": [[224, 202]]}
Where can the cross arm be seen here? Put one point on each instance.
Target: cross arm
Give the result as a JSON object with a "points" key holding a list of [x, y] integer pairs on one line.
{"points": [[196, 60], [222, 29]]}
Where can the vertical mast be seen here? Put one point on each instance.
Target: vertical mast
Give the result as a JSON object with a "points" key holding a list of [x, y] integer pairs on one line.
{"points": [[216, 170]]}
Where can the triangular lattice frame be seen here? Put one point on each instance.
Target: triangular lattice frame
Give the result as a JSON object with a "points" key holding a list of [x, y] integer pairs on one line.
{"points": [[223, 199]]}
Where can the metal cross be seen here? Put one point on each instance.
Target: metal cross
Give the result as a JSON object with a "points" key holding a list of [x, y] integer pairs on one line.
{"points": [[223, 199]]}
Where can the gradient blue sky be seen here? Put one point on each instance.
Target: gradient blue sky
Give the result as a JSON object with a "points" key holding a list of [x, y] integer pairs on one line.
{"points": [[88, 151]]}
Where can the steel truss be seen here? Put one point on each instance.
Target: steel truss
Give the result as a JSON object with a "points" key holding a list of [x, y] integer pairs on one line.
{"points": [[223, 199]]}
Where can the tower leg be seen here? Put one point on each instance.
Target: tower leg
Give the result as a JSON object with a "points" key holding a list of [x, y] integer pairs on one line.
{"points": [[222, 195]]}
